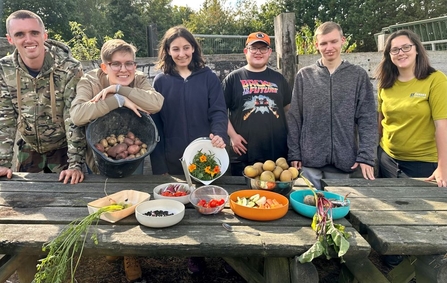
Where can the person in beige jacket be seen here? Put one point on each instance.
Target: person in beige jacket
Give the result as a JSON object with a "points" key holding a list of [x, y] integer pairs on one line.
{"points": [[117, 83]]}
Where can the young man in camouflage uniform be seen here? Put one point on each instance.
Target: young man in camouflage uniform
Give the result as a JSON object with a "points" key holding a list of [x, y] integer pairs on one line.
{"points": [[38, 83]]}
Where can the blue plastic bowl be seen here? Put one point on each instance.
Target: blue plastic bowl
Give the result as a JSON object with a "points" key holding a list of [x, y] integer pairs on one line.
{"points": [[297, 197]]}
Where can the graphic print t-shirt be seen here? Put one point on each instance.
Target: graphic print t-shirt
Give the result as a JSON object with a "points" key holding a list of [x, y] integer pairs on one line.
{"points": [[256, 101]]}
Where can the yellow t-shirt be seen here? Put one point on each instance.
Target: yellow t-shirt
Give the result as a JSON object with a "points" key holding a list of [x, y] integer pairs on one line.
{"points": [[409, 110]]}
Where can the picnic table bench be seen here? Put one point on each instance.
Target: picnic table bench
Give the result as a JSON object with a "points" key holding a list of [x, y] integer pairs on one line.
{"points": [[402, 216], [34, 208]]}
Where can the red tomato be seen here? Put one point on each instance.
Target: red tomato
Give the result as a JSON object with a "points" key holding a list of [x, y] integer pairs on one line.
{"points": [[213, 203], [202, 202], [221, 201]]}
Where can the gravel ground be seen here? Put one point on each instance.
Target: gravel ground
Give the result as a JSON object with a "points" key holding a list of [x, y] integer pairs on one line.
{"points": [[162, 270]]}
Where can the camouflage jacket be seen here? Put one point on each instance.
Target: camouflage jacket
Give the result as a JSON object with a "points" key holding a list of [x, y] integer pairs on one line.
{"points": [[40, 108]]}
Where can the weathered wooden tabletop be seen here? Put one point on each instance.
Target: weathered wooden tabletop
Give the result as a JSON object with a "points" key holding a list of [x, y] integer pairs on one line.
{"points": [[400, 216], [35, 207]]}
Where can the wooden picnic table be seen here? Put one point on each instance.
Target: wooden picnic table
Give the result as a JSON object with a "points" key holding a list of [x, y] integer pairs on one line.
{"points": [[34, 208], [402, 216]]}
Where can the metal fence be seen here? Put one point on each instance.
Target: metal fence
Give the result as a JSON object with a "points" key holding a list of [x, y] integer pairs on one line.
{"points": [[432, 32], [224, 44]]}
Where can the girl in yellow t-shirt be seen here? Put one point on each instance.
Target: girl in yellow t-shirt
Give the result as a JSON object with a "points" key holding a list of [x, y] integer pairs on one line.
{"points": [[412, 106]]}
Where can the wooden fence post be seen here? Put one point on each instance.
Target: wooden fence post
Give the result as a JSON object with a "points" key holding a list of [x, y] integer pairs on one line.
{"points": [[151, 35], [285, 46]]}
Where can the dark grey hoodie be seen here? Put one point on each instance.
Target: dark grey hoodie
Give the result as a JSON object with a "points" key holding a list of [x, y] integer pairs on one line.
{"points": [[332, 119]]}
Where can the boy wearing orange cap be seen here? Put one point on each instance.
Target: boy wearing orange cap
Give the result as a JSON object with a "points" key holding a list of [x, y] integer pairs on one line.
{"points": [[257, 98]]}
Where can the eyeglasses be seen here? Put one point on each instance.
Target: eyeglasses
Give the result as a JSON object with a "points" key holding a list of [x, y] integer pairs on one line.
{"points": [[254, 50], [116, 66], [404, 48]]}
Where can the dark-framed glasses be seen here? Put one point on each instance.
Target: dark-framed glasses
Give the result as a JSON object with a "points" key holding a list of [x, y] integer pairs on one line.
{"points": [[129, 65], [404, 48], [263, 49]]}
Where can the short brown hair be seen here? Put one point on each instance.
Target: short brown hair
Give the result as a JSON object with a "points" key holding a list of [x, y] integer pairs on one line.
{"points": [[23, 14], [113, 45], [328, 27]]}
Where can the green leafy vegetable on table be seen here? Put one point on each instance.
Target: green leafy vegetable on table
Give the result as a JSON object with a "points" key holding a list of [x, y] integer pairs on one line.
{"points": [[331, 238], [62, 249]]}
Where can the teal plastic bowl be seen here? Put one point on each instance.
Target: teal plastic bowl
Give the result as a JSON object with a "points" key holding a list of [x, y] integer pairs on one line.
{"points": [[297, 197]]}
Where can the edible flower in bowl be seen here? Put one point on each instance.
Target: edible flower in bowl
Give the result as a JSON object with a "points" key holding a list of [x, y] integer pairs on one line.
{"points": [[204, 162], [205, 166]]}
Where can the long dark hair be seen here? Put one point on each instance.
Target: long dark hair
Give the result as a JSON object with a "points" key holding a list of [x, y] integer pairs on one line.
{"points": [[165, 62], [387, 72]]}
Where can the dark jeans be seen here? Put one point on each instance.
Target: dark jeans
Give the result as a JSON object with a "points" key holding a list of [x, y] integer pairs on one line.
{"points": [[393, 168]]}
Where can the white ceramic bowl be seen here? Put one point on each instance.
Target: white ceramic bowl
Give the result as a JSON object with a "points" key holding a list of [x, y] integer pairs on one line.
{"points": [[167, 205], [208, 193], [177, 186], [205, 145]]}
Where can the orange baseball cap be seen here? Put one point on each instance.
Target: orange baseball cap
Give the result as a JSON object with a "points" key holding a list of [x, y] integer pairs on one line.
{"points": [[257, 37]]}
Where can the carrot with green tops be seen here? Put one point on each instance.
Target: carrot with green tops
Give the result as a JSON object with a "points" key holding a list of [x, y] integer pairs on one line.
{"points": [[62, 249]]}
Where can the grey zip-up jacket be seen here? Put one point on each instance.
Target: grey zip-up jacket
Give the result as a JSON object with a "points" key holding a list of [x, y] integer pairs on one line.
{"points": [[332, 118]]}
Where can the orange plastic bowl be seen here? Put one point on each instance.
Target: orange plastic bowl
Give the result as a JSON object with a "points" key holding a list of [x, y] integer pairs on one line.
{"points": [[259, 214]]}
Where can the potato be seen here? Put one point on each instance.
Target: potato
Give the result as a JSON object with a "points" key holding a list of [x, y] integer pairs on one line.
{"points": [[121, 155], [99, 147], [133, 149], [117, 149], [131, 135], [138, 141], [128, 141], [104, 143], [111, 140], [143, 151], [120, 138], [144, 145]]}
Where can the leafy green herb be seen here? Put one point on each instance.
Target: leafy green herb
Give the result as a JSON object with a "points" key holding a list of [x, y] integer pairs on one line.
{"points": [[331, 238], [62, 249], [205, 166]]}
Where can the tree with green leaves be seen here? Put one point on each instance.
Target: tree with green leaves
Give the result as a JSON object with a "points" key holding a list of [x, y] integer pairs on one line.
{"points": [[305, 41], [83, 47], [54, 14]]}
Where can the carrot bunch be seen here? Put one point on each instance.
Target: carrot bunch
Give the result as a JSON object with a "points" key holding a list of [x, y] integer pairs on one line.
{"points": [[60, 262]]}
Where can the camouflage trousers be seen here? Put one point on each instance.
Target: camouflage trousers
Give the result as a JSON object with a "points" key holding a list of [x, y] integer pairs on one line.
{"points": [[29, 160]]}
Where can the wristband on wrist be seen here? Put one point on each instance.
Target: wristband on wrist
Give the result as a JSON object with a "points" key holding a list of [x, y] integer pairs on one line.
{"points": [[120, 99]]}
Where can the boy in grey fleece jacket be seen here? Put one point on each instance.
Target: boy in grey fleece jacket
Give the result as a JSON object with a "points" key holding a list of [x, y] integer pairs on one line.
{"points": [[332, 120]]}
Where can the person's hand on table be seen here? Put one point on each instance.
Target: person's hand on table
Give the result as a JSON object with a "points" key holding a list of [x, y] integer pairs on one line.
{"points": [[4, 171], [439, 176], [367, 170], [75, 175]]}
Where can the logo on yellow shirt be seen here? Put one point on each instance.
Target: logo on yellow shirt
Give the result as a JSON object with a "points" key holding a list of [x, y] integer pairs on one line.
{"points": [[418, 94]]}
